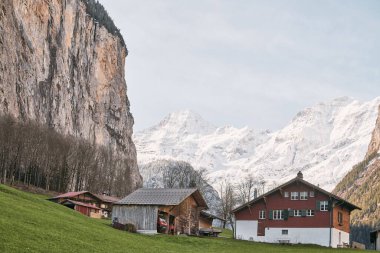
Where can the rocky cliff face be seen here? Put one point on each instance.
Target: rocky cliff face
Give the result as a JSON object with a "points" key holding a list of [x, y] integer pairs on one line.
{"points": [[362, 187], [60, 67], [374, 145]]}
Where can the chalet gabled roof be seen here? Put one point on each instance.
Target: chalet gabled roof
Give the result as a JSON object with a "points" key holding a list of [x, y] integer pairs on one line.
{"points": [[68, 195], [161, 197], [300, 180]]}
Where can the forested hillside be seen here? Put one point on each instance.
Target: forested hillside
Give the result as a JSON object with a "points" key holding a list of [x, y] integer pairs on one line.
{"points": [[37, 155], [362, 187]]}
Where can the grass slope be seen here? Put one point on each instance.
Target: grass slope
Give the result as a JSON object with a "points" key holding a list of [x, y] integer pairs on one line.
{"points": [[29, 223]]}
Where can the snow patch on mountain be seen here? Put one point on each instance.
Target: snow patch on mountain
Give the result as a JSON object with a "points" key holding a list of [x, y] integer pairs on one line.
{"points": [[323, 141]]}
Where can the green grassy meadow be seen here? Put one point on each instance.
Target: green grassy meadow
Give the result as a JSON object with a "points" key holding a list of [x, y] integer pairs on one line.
{"points": [[29, 223]]}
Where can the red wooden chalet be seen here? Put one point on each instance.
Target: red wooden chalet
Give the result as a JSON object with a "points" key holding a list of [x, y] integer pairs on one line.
{"points": [[295, 212]]}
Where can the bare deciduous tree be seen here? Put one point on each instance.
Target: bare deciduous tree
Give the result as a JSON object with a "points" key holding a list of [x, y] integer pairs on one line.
{"points": [[228, 202], [36, 155]]}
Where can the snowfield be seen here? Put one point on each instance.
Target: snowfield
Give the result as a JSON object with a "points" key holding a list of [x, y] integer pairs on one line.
{"points": [[323, 142]]}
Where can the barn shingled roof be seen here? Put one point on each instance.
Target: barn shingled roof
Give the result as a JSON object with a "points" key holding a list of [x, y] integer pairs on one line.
{"points": [[161, 197]]}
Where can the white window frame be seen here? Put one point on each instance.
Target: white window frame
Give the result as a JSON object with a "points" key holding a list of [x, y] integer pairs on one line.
{"points": [[311, 194], [286, 194], [303, 195], [297, 213], [262, 215], [324, 206], [340, 218], [310, 213], [294, 195], [285, 232], [278, 215]]}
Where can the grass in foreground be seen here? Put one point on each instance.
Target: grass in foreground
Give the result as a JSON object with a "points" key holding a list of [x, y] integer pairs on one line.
{"points": [[29, 223]]}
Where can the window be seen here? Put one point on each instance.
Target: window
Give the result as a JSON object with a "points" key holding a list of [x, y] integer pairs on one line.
{"points": [[262, 214], [278, 215], [297, 213], [286, 194], [294, 195], [309, 212], [311, 194], [340, 218], [303, 195], [324, 206], [284, 231]]}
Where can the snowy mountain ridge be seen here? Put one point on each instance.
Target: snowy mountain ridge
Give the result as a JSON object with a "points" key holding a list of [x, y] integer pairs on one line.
{"points": [[323, 141]]}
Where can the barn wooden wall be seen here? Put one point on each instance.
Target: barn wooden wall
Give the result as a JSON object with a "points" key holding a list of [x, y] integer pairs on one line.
{"points": [[143, 217]]}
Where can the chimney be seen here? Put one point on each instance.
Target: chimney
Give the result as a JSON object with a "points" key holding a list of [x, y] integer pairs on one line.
{"points": [[300, 175], [255, 193]]}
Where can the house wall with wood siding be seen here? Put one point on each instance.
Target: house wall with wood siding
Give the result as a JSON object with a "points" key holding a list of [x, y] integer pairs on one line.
{"points": [[186, 216], [205, 222], [345, 225]]}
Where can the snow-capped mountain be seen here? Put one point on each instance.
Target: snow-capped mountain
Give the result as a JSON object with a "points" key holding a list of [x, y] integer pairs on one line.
{"points": [[323, 141]]}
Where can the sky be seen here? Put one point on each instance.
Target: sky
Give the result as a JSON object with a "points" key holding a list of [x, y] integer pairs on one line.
{"points": [[246, 63]]}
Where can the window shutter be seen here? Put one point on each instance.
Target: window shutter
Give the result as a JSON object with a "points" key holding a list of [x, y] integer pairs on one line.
{"points": [[286, 214], [291, 213], [303, 213], [318, 206], [329, 207], [271, 214]]}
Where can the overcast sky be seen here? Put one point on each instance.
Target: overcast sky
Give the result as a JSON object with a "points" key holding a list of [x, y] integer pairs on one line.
{"points": [[254, 63]]}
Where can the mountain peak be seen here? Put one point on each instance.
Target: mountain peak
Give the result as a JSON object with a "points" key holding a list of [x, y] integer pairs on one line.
{"points": [[186, 122]]}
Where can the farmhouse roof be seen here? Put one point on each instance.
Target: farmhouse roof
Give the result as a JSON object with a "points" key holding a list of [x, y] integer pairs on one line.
{"points": [[162, 197], [81, 204], [299, 179], [74, 194], [69, 195], [106, 198]]}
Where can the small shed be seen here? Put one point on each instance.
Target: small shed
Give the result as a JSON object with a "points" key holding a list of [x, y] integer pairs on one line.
{"points": [[206, 219], [375, 238], [150, 209], [206, 223]]}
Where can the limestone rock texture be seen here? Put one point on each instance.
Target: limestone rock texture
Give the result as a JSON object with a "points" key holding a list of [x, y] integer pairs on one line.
{"points": [[58, 66], [374, 145]]}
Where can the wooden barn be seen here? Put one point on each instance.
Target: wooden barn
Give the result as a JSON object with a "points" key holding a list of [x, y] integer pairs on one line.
{"points": [[92, 205], [175, 211]]}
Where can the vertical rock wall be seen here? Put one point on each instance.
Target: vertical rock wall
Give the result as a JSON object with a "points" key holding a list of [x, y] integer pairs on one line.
{"points": [[60, 67]]}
